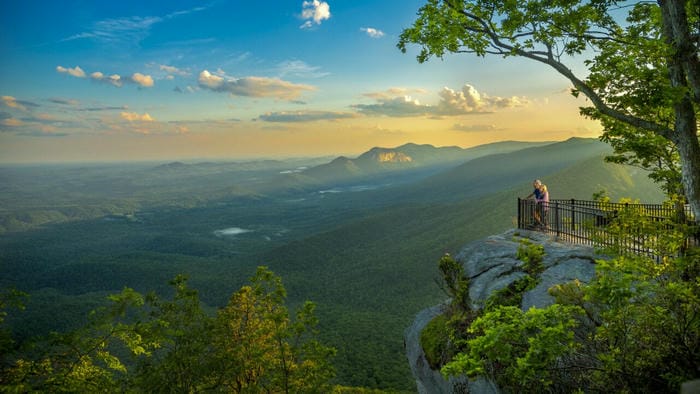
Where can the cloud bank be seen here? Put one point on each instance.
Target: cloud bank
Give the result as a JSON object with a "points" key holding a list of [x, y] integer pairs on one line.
{"points": [[142, 80], [467, 101], [304, 116]]}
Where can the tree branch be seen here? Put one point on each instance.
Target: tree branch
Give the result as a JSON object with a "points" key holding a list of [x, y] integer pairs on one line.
{"points": [[549, 60]]}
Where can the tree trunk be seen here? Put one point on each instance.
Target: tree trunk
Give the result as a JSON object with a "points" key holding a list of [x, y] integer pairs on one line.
{"points": [[685, 136], [689, 151]]}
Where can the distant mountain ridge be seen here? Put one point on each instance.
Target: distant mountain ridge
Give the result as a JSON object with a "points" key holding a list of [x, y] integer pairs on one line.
{"points": [[494, 172], [379, 160]]}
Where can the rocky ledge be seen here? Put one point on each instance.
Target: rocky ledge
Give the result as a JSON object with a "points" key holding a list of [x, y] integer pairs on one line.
{"points": [[492, 264]]}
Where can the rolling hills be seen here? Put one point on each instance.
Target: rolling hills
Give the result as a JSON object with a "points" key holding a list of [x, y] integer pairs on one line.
{"points": [[366, 252]]}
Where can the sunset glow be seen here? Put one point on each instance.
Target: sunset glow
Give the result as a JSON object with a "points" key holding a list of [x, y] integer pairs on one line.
{"points": [[232, 80]]}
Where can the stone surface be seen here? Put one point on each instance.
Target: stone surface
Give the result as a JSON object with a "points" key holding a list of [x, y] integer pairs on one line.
{"points": [[492, 264]]}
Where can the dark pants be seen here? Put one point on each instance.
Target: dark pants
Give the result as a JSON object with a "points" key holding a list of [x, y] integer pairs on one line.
{"points": [[541, 212]]}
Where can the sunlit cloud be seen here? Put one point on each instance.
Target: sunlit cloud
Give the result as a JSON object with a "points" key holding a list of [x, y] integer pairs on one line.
{"points": [[181, 129], [395, 102], [304, 116], [252, 86], [44, 117], [136, 117], [12, 122], [314, 12], [12, 102], [75, 71], [372, 32], [394, 92], [468, 100], [474, 127], [142, 80]]}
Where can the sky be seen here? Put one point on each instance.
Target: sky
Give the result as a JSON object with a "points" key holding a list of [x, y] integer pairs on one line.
{"points": [[87, 81]]}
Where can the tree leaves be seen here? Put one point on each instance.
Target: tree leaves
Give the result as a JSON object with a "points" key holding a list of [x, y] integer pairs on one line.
{"points": [[251, 345]]}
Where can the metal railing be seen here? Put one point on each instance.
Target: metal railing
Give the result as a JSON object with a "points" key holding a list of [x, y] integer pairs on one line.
{"points": [[589, 223]]}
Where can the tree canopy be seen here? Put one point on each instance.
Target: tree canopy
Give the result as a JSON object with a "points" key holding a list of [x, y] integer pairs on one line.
{"points": [[150, 344], [643, 62]]}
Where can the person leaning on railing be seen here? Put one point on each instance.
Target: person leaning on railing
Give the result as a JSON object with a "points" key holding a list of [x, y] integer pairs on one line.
{"points": [[541, 195]]}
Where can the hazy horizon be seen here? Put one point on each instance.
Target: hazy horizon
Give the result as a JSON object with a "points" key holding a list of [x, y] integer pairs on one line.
{"points": [[243, 159], [158, 81]]}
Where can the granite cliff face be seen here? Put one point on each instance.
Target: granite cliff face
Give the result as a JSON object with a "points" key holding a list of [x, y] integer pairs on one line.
{"points": [[491, 264]]}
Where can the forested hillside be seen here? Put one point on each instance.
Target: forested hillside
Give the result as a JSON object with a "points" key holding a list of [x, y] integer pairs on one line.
{"points": [[365, 251]]}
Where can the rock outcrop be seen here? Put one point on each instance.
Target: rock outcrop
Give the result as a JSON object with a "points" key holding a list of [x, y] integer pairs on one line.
{"points": [[492, 264]]}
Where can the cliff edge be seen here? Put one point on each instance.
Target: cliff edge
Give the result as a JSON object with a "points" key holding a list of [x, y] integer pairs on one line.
{"points": [[492, 264]]}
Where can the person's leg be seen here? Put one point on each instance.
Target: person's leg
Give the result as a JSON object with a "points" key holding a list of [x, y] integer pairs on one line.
{"points": [[545, 211]]}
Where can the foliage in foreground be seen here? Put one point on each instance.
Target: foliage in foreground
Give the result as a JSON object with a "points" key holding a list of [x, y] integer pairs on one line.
{"points": [[634, 328], [148, 344]]}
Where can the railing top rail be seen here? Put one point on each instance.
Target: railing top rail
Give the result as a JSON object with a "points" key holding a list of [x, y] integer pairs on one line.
{"points": [[606, 206]]}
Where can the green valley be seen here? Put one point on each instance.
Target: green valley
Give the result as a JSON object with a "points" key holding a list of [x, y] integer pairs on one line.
{"points": [[359, 237]]}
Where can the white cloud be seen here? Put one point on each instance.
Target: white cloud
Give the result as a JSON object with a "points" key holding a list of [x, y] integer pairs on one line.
{"points": [[372, 32], [299, 68], [133, 116], [314, 11], [128, 31], [75, 71], [252, 86]]}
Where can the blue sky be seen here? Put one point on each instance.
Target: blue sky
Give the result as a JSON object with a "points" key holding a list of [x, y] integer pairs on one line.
{"points": [[128, 80]]}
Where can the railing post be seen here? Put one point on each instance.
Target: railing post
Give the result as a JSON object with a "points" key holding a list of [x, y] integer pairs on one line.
{"points": [[556, 216], [573, 216], [520, 220]]}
